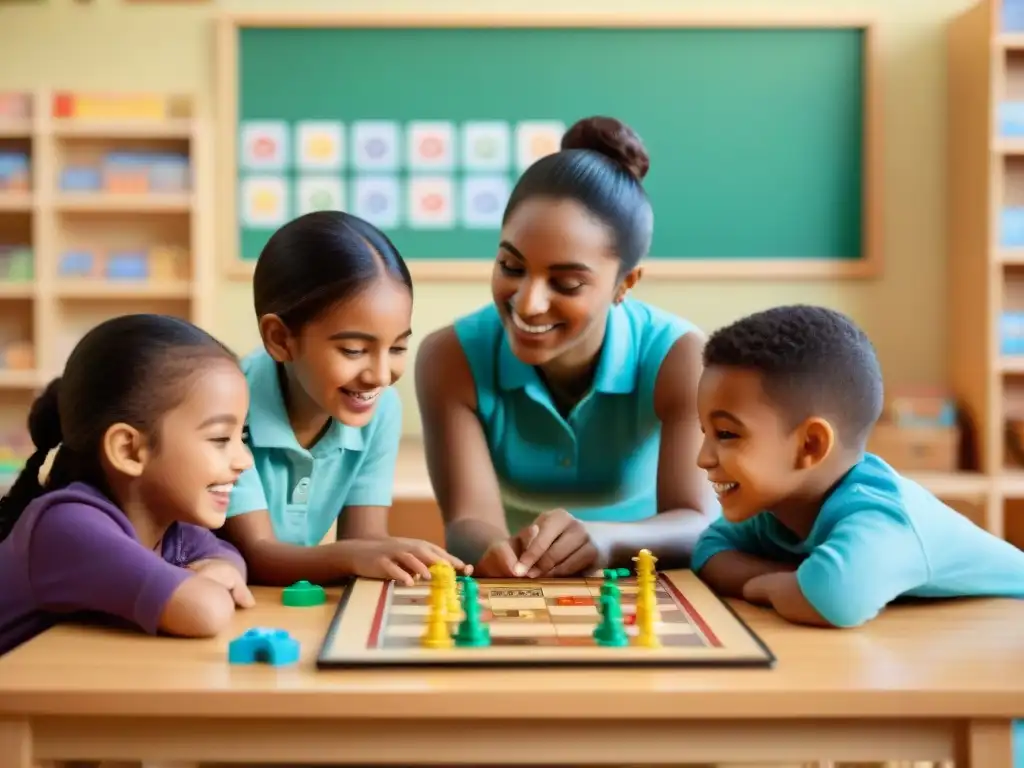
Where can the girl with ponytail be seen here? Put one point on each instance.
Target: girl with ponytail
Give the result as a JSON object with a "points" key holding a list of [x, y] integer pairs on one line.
{"points": [[145, 432]]}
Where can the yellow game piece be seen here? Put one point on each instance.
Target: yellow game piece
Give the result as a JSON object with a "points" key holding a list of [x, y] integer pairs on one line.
{"points": [[646, 619], [451, 592], [437, 633], [645, 561]]}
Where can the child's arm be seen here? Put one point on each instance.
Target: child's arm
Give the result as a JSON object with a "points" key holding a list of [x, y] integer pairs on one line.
{"points": [[201, 548], [724, 559], [871, 557], [82, 560]]}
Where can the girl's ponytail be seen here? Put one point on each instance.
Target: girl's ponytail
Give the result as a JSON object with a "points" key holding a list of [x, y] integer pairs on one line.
{"points": [[45, 431]]}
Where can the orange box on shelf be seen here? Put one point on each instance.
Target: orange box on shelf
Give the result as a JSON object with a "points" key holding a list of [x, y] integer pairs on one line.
{"points": [[916, 449], [97, 106], [15, 106], [168, 262], [19, 356]]}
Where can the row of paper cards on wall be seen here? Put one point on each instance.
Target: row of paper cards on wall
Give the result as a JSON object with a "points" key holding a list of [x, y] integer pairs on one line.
{"points": [[425, 174]]}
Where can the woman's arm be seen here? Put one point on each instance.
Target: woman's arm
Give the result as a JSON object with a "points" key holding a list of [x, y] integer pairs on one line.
{"points": [[685, 498], [458, 458]]}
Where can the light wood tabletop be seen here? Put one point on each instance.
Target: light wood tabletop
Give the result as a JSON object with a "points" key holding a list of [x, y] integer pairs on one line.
{"points": [[923, 682]]}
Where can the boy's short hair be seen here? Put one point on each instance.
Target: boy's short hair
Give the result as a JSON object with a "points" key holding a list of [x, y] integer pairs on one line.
{"points": [[812, 361]]}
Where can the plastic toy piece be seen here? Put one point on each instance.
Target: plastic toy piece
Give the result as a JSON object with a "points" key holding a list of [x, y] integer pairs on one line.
{"points": [[261, 645], [610, 631], [472, 631], [435, 635], [302, 594]]}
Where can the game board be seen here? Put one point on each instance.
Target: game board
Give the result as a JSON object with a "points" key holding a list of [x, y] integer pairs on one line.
{"points": [[540, 622]]}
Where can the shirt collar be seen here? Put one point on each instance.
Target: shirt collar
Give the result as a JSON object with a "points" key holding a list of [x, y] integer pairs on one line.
{"points": [[616, 366], [268, 423]]}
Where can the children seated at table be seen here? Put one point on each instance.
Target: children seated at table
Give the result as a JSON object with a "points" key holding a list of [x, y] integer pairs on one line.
{"points": [[147, 426], [813, 526], [333, 299]]}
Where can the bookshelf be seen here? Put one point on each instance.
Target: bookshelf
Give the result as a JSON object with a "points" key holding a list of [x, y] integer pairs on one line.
{"points": [[102, 212], [985, 145]]}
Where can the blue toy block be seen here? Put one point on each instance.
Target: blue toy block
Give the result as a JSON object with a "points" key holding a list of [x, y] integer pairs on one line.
{"points": [[1011, 227], [75, 264], [1011, 333], [264, 645], [1013, 16], [169, 173], [127, 265], [80, 179], [1011, 119]]}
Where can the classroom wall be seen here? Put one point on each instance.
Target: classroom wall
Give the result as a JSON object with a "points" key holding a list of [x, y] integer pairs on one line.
{"points": [[114, 44]]}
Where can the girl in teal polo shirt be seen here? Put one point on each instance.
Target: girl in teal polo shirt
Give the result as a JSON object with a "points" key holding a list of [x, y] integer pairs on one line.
{"points": [[560, 421], [334, 303]]}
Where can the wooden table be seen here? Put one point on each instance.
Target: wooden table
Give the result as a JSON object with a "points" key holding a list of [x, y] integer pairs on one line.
{"points": [[930, 682]]}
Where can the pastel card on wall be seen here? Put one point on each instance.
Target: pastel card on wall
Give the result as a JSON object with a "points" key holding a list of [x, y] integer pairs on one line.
{"points": [[320, 145], [319, 193], [536, 139], [375, 198], [483, 201], [486, 146], [264, 202], [431, 202], [264, 145], [375, 145], [431, 145]]}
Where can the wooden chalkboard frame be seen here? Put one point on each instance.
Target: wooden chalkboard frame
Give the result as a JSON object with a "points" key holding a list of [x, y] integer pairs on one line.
{"points": [[869, 265]]}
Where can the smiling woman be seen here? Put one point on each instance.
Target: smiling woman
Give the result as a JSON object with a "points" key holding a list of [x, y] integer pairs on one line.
{"points": [[334, 303], [560, 420]]}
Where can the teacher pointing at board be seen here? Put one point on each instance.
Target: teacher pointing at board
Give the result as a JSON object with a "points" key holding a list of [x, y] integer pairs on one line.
{"points": [[560, 421]]}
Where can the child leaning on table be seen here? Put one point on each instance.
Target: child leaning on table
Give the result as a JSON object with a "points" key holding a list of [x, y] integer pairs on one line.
{"points": [[147, 422], [813, 526], [333, 299]]}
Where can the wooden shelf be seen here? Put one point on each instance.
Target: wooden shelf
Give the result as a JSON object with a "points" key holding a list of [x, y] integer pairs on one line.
{"points": [[69, 128], [107, 289], [13, 379], [985, 146], [123, 203], [11, 290], [170, 228], [15, 129], [16, 201]]}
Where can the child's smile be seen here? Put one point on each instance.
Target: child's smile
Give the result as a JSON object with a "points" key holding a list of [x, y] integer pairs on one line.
{"points": [[748, 453]]}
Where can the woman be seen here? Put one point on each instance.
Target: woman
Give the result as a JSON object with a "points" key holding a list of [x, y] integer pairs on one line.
{"points": [[560, 421]]}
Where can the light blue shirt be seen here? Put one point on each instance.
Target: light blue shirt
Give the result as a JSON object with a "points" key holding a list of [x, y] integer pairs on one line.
{"points": [[306, 490], [600, 463], [878, 536]]}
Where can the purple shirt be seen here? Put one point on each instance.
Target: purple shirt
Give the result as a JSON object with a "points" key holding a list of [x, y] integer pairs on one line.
{"points": [[73, 551]]}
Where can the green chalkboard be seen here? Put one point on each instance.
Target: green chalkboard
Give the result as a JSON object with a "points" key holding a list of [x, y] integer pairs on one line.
{"points": [[756, 135]]}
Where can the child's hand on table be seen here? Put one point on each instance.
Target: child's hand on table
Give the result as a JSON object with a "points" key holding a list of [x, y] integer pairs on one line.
{"points": [[228, 577], [403, 560]]}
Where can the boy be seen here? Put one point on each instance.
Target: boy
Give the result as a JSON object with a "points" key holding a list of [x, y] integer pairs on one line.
{"points": [[813, 526]]}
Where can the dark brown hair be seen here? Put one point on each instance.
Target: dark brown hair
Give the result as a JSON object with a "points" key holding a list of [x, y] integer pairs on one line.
{"points": [[601, 165], [131, 369], [317, 260]]}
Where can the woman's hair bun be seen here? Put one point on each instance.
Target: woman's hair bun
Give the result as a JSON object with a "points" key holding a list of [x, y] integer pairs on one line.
{"points": [[611, 138]]}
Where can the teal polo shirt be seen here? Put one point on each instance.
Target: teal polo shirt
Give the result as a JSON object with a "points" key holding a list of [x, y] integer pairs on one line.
{"points": [[305, 490], [600, 463]]}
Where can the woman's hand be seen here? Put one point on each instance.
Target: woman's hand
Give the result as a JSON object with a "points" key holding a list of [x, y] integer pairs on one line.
{"points": [[556, 544]]}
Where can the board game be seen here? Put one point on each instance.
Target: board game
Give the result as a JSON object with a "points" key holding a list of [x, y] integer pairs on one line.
{"points": [[563, 622]]}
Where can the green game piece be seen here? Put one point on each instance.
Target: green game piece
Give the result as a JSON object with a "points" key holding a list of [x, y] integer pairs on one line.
{"points": [[472, 633], [302, 594], [610, 631]]}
